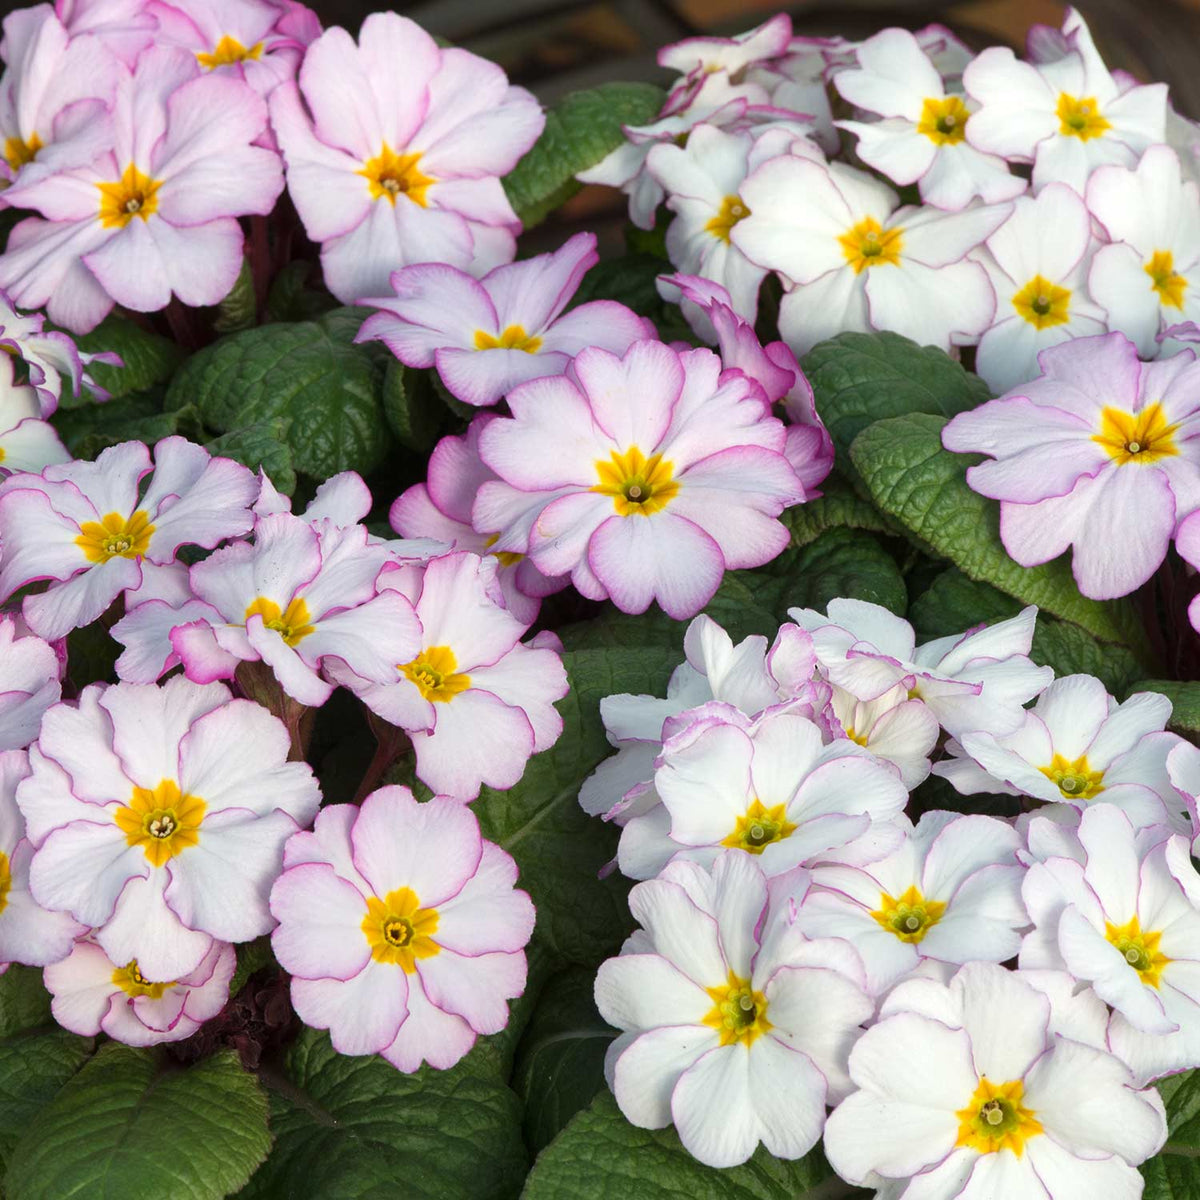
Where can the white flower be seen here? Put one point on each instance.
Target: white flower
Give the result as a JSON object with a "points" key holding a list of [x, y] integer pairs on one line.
{"points": [[893, 727]]}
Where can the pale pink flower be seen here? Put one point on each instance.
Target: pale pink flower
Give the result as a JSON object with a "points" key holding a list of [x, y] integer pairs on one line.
{"points": [[30, 682], [27, 443], [126, 27]]}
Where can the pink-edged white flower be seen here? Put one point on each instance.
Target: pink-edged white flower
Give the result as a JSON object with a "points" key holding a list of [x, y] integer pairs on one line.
{"points": [[1183, 770], [92, 995], [474, 699], [1149, 278], [657, 471], [984, 1087], [158, 817], [486, 336], [401, 928], [29, 933], [735, 1029], [798, 81], [300, 594], [976, 680], [441, 508], [1066, 116], [769, 786], [126, 27], [733, 54], [898, 728], [1075, 744], [1098, 454], [155, 214], [54, 95], [921, 137], [27, 443], [1187, 542], [1038, 262], [857, 261], [951, 892], [392, 167], [30, 682], [84, 526], [1122, 914]]}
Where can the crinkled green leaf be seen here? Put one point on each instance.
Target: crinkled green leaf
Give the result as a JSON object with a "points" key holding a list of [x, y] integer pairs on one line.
{"points": [[581, 129], [87, 431], [251, 957], [1185, 701], [842, 562], [33, 1067], [263, 445], [839, 506], [310, 374], [910, 477], [238, 310], [413, 408], [131, 1127], [24, 1002], [149, 359], [1174, 1173], [289, 299]]}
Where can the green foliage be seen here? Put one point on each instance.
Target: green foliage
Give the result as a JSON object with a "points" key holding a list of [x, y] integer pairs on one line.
{"points": [[263, 445], [309, 374], [838, 507], [581, 129], [24, 1002], [843, 562], [1185, 701], [414, 409], [632, 281], [1174, 1173], [238, 310], [33, 1069], [291, 300], [138, 416], [130, 1127], [149, 359]]}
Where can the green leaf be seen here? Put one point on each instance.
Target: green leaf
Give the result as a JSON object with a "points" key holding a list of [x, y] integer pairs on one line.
{"points": [[413, 408], [1174, 1173], [130, 1127], [149, 359], [842, 562], [910, 477], [560, 1061], [1185, 701], [33, 1068], [581, 129], [264, 445], [251, 957], [310, 374], [238, 310], [860, 378], [87, 431], [600, 1156], [289, 299], [839, 506], [24, 1002], [357, 1128]]}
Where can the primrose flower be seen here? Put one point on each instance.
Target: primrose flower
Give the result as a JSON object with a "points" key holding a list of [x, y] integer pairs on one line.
{"points": [[771, 787], [976, 680], [1126, 920], [922, 136], [1077, 743], [401, 928], [27, 443], [30, 682], [951, 892], [388, 168], [1100, 443], [126, 27], [487, 336], [475, 701], [893, 726], [158, 817], [733, 54], [859, 262], [1067, 116], [1149, 277], [93, 995], [83, 526], [969, 1088], [657, 472], [734, 1028]]}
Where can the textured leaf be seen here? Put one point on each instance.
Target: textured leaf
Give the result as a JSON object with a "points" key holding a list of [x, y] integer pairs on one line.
{"points": [[24, 1002], [1185, 701], [264, 445], [33, 1068], [238, 310], [910, 477], [290, 300], [843, 562], [310, 374], [149, 359], [839, 506], [412, 407], [86, 431], [129, 1128], [1174, 1173], [632, 281], [581, 129]]}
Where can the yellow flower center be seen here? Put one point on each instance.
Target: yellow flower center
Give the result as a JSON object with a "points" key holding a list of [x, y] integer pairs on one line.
{"points": [[433, 673], [133, 983], [18, 152], [1042, 303], [227, 52], [758, 827], [1169, 286], [115, 536], [944, 120], [732, 211], [1076, 780], [5, 880], [637, 484], [995, 1119], [1080, 117], [292, 624], [133, 195], [739, 1013], [399, 930], [389, 175], [513, 338], [868, 244], [1142, 437], [506, 558], [1139, 949], [909, 916], [164, 822]]}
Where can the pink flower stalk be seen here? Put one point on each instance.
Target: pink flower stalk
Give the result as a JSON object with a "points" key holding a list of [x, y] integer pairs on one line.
{"points": [[390, 167], [30, 682], [1098, 454], [401, 928], [441, 508], [475, 700], [93, 995], [158, 817], [657, 471], [27, 443], [154, 214], [126, 27], [486, 336], [84, 527]]}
